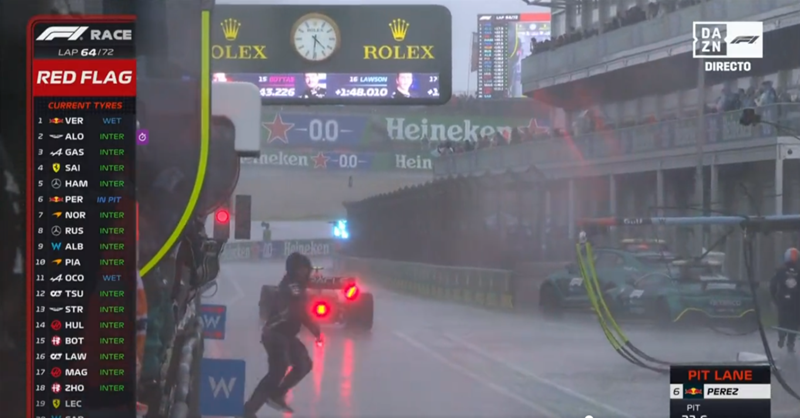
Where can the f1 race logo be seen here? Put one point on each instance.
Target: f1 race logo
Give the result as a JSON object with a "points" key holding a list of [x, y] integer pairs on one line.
{"points": [[737, 40], [70, 33], [745, 40]]}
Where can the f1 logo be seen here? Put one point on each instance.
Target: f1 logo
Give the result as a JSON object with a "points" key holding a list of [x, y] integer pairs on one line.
{"points": [[745, 40], [70, 33]]}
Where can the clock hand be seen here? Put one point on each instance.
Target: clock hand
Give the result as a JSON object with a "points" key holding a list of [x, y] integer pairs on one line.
{"points": [[316, 42]]}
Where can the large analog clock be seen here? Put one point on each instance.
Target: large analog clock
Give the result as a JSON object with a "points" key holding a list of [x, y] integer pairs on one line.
{"points": [[316, 37]]}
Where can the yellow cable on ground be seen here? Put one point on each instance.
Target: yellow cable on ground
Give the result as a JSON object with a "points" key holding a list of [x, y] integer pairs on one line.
{"points": [[625, 349], [602, 300], [205, 139], [590, 292]]}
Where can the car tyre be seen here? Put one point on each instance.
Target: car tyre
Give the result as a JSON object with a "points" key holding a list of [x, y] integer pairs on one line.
{"points": [[748, 324], [663, 314], [550, 302], [361, 312]]}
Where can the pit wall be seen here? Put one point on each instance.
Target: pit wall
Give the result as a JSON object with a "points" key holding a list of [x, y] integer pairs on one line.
{"points": [[505, 290]]}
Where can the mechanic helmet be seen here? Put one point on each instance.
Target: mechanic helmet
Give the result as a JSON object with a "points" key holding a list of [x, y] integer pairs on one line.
{"points": [[791, 256], [296, 261]]}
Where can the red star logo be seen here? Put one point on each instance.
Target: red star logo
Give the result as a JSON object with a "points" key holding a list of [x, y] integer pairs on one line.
{"points": [[277, 129], [321, 160], [534, 128]]}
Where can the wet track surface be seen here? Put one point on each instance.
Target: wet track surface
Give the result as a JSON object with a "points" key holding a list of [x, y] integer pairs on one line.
{"points": [[433, 359]]}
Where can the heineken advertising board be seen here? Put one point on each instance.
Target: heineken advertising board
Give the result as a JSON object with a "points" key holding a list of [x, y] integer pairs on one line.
{"points": [[303, 130], [352, 161]]}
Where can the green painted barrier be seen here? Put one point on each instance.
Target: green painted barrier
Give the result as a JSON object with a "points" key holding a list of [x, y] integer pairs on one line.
{"points": [[480, 287]]}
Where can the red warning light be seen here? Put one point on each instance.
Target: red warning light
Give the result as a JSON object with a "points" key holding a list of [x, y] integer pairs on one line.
{"points": [[222, 216], [351, 292], [321, 309]]}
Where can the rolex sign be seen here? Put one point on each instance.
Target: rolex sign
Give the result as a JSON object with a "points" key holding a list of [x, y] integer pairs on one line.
{"points": [[399, 29], [233, 48]]}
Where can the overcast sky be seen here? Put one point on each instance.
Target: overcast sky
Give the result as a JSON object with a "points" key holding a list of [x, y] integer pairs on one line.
{"points": [[465, 20]]}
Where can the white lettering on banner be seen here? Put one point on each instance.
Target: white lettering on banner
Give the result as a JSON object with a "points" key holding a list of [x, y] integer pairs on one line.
{"points": [[220, 385], [266, 250], [412, 163], [242, 252], [210, 321], [236, 251], [348, 161], [399, 129], [319, 130], [311, 248], [279, 159]]}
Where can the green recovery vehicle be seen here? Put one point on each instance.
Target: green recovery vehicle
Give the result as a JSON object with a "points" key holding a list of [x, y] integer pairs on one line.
{"points": [[686, 291], [564, 290]]}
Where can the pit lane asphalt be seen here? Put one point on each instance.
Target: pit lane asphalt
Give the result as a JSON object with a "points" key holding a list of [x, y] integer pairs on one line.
{"points": [[434, 359]]}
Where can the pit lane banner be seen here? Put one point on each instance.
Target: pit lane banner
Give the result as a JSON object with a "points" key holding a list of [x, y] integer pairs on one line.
{"points": [[336, 160], [481, 287], [256, 250], [307, 130]]}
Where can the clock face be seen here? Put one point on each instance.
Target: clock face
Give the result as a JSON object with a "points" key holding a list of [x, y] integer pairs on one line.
{"points": [[315, 37]]}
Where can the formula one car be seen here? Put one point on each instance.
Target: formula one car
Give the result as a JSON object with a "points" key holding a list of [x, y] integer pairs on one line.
{"points": [[686, 289], [336, 300], [565, 290]]}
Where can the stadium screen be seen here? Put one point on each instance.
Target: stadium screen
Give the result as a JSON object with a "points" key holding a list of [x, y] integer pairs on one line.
{"points": [[503, 41]]}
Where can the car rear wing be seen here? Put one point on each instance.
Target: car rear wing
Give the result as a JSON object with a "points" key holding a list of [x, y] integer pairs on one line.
{"points": [[330, 283], [719, 285]]}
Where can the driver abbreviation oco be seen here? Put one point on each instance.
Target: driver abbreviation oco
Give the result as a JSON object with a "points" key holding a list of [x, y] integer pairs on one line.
{"points": [[727, 66]]}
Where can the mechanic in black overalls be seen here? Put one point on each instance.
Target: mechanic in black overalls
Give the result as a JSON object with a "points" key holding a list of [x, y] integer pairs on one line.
{"points": [[786, 295], [289, 311]]}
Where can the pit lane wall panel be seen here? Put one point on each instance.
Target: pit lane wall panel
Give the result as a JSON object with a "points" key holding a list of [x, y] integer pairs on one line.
{"points": [[505, 290], [485, 288]]}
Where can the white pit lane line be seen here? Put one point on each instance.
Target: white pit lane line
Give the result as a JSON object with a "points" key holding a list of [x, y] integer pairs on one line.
{"points": [[493, 386], [483, 353]]}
